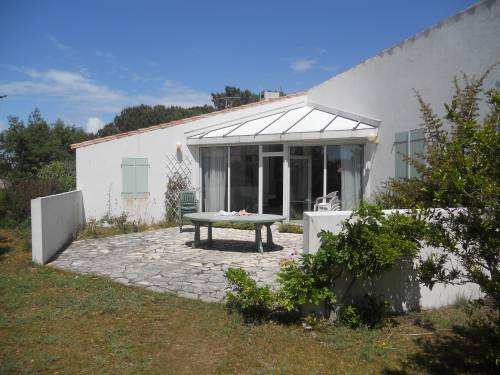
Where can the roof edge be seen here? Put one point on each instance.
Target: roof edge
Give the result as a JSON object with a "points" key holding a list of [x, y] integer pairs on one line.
{"points": [[182, 121]]}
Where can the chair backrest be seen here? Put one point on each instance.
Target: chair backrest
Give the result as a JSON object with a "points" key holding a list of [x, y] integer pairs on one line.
{"points": [[187, 198]]}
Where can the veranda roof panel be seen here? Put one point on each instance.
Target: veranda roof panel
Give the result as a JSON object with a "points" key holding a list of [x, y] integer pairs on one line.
{"points": [[287, 120], [254, 126], [314, 121]]}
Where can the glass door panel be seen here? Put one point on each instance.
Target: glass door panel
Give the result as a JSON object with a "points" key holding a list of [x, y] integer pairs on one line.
{"points": [[272, 185], [300, 187], [244, 178]]}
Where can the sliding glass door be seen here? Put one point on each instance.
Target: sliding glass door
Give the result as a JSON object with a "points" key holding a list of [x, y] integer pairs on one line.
{"points": [[280, 179], [244, 180], [272, 185], [306, 178], [344, 168]]}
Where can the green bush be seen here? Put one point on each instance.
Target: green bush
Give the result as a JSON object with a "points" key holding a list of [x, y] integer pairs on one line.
{"points": [[369, 244], [300, 284], [290, 228], [367, 311], [244, 295], [349, 317], [61, 172]]}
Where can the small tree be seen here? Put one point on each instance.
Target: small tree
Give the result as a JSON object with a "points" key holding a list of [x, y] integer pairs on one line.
{"points": [[459, 191]]}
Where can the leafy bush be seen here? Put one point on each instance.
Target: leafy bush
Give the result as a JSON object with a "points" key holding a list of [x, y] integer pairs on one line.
{"points": [[369, 244], [15, 200], [290, 228], [252, 301], [349, 317], [60, 172], [367, 311], [458, 191], [300, 285]]}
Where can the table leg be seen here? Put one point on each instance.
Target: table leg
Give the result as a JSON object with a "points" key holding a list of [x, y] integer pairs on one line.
{"points": [[209, 234], [270, 244], [196, 242], [258, 238]]}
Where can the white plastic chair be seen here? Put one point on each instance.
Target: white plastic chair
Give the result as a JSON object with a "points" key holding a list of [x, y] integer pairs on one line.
{"points": [[330, 202]]}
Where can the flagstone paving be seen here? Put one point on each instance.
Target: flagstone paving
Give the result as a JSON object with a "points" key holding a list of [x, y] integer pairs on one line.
{"points": [[164, 260]]}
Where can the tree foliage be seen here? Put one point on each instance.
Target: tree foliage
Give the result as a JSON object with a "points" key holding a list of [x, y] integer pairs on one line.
{"points": [[142, 116], [233, 97], [460, 173], [25, 148]]}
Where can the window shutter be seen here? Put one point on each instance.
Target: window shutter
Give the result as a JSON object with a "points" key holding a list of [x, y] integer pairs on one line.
{"points": [[141, 178], [135, 178], [128, 178], [417, 145], [400, 151]]}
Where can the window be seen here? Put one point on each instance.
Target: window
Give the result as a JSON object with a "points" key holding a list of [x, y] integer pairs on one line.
{"points": [[244, 163], [214, 178], [135, 178], [408, 144]]}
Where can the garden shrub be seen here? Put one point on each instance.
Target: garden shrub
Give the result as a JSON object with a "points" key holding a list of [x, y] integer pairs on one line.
{"points": [[368, 245], [244, 295], [290, 228]]}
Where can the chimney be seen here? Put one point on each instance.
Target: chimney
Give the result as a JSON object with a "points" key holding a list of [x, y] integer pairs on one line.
{"points": [[270, 95]]}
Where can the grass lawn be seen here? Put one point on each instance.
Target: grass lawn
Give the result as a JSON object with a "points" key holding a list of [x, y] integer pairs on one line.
{"points": [[58, 322]]}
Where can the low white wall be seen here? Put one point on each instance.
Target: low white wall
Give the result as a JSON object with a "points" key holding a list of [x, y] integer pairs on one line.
{"points": [[54, 221], [398, 285]]}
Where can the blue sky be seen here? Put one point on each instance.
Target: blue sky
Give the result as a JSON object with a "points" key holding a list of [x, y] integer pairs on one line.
{"points": [[84, 61]]}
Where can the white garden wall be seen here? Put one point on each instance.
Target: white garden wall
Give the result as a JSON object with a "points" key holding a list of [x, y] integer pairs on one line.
{"points": [[398, 285], [54, 221]]}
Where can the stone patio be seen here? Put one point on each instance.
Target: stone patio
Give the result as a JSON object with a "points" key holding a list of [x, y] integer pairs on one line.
{"points": [[164, 260]]}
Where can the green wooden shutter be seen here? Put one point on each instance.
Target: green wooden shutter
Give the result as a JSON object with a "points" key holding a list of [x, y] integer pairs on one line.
{"points": [[141, 178], [400, 151], [128, 178], [417, 145], [135, 177]]}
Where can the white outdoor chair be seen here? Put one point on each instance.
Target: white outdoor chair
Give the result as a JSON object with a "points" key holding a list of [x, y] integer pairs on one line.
{"points": [[330, 202]]}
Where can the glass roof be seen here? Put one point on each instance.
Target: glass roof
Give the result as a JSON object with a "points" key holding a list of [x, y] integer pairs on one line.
{"points": [[297, 120]]}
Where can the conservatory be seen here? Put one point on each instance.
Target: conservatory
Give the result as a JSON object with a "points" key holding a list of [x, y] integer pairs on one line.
{"points": [[280, 163]]}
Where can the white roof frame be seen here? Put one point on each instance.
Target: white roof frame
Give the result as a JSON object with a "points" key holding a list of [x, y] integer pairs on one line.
{"points": [[301, 123]]}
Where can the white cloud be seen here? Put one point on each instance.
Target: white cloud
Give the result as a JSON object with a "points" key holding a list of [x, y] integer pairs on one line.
{"points": [[94, 124], [60, 46], [177, 94], [302, 65], [2, 125], [83, 92], [89, 97]]}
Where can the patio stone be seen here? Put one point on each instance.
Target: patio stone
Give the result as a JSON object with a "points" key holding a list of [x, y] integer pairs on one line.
{"points": [[164, 260]]}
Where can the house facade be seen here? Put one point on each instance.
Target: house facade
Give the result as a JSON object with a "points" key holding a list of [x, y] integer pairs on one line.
{"points": [[347, 134]]}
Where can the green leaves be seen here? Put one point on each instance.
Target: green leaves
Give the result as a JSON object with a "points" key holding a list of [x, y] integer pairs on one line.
{"points": [[461, 169]]}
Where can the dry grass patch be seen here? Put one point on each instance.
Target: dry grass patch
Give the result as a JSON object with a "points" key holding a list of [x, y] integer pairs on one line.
{"points": [[54, 321]]}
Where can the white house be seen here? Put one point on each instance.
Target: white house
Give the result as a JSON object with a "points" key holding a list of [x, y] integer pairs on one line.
{"points": [[276, 156]]}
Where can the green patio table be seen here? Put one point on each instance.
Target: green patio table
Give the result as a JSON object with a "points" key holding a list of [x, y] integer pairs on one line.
{"points": [[208, 218]]}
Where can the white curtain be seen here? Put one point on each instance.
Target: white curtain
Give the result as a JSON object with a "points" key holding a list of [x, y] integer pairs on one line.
{"points": [[350, 156], [214, 166]]}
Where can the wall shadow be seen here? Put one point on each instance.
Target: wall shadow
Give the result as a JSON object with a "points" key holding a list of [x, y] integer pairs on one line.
{"points": [[468, 349], [234, 246], [398, 286]]}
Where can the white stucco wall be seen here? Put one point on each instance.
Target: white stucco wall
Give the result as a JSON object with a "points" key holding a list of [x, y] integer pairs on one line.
{"points": [[98, 166], [54, 221], [397, 285], [382, 86]]}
